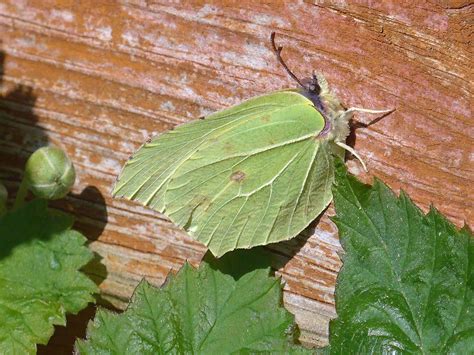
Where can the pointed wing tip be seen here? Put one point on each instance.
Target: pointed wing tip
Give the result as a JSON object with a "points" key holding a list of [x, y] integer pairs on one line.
{"points": [[220, 252], [217, 255]]}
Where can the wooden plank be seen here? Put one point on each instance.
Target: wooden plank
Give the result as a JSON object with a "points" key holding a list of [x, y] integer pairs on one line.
{"points": [[97, 78]]}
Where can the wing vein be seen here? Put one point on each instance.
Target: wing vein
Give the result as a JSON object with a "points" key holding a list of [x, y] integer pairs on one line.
{"points": [[231, 224], [264, 213], [313, 159]]}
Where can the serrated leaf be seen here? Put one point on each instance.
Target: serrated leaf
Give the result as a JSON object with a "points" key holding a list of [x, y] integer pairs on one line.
{"points": [[407, 281], [203, 311], [39, 279]]}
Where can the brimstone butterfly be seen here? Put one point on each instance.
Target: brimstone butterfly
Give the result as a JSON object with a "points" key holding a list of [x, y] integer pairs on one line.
{"points": [[253, 174]]}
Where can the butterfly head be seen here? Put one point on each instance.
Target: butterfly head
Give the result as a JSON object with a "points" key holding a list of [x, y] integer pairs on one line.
{"points": [[327, 103], [312, 90], [312, 84]]}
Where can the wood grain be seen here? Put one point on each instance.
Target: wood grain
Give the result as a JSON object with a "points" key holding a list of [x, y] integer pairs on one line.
{"points": [[98, 77]]}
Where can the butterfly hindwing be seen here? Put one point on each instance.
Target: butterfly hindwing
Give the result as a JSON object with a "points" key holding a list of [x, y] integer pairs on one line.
{"points": [[249, 175]]}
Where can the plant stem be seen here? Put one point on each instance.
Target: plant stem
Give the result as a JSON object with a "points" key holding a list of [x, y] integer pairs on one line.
{"points": [[20, 196]]}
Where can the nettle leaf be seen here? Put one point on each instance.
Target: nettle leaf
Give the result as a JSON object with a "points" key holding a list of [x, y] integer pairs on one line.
{"points": [[407, 281], [220, 308], [39, 279]]}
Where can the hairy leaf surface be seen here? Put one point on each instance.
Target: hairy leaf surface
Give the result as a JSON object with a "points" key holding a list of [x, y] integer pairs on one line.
{"points": [[407, 281], [250, 175], [220, 308]]}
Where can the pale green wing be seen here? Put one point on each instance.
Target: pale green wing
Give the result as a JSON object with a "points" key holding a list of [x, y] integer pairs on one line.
{"points": [[250, 175]]}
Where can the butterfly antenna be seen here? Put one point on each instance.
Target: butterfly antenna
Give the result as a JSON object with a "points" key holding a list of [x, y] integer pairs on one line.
{"points": [[351, 110], [277, 51]]}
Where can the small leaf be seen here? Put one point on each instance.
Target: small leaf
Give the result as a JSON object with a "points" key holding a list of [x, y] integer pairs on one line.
{"points": [[203, 311], [39, 279], [407, 281]]}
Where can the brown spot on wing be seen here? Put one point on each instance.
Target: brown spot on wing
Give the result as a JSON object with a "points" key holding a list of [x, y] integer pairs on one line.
{"points": [[238, 176]]}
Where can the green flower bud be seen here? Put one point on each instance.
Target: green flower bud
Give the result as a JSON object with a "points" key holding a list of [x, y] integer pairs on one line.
{"points": [[49, 173]]}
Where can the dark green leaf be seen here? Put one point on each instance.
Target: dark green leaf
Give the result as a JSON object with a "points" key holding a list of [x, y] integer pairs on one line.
{"points": [[39, 279], [407, 281], [203, 311]]}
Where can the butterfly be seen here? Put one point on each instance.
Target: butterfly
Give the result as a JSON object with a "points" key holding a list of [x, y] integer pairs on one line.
{"points": [[252, 174]]}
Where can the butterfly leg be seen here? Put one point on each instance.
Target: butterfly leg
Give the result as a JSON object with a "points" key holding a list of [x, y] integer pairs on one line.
{"points": [[353, 152]]}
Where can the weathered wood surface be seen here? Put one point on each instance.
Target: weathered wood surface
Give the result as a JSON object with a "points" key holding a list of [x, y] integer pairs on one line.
{"points": [[98, 77]]}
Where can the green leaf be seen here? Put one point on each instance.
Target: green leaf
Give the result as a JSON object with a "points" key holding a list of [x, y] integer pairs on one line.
{"points": [[219, 308], [407, 281], [254, 174], [39, 279]]}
